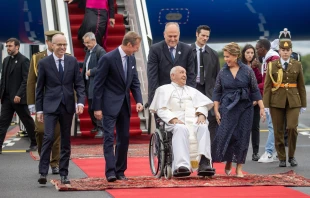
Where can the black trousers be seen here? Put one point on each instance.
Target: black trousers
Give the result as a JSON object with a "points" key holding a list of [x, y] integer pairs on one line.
{"points": [[211, 116], [7, 111], [65, 121], [116, 164], [255, 135]]}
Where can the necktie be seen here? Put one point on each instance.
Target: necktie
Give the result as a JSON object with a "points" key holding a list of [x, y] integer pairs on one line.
{"points": [[87, 63], [171, 53], [202, 76], [60, 70], [61, 74], [285, 64], [125, 67]]}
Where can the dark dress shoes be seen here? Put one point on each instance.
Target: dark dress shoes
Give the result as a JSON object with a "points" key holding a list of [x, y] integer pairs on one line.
{"points": [[255, 157], [55, 170], [292, 161], [99, 134], [94, 130], [181, 172], [111, 178], [205, 168], [42, 179], [0, 149], [32, 148], [122, 177], [64, 180], [282, 163]]}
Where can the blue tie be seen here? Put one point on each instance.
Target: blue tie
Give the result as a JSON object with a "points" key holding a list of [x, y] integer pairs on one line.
{"points": [[60, 69], [171, 53], [125, 67], [61, 74]]}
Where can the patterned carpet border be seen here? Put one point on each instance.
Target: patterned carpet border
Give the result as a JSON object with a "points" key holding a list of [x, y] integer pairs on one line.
{"points": [[289, 179], [93, 151]]}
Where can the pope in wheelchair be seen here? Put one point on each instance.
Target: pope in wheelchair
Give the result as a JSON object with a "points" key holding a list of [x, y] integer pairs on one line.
{"points": [[184, 111]]}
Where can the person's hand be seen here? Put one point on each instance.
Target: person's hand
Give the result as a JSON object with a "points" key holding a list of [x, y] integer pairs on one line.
{"points": [[263, 114], [175, 121], [201, 119], [139, 107], [302, 110], [254, 103], [69, 1], [17, 99], [255, 63], [267, 111], [112, 22], [32, 108], [98, 114], [79, 109], [88, 73], [40, 117], [218, 117]]}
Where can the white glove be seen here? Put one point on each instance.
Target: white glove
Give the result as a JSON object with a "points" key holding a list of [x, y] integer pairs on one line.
{"points": [[267, 111], [302, 110], [32, 108]]}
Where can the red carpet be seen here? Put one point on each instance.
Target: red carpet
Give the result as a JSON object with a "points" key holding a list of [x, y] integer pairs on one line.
{"points": [[134, 139], [114, 39]]}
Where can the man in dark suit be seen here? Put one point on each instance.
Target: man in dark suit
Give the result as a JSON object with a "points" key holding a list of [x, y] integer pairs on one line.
{"points": [[13, 92], [93, 54], [58, 77], [116, 77], [207, 66], [163, 56]]}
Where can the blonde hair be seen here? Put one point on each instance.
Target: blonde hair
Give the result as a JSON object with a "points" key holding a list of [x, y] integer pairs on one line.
{"points": [[233, 49]]}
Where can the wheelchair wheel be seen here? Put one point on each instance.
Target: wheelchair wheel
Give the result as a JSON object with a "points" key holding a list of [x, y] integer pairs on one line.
{"points": [[168, 172], [156, 154]]}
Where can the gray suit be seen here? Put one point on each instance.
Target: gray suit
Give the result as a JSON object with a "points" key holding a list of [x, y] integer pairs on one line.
{"points": [[211, 69], [160, 63]]}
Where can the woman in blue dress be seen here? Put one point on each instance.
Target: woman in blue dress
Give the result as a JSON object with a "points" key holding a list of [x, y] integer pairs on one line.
{"points": [[235, 90]]}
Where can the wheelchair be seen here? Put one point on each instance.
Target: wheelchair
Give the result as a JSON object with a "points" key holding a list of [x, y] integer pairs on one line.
{"points": [[160, 151]]}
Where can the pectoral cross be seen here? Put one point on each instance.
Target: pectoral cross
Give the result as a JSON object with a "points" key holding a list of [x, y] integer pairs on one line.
{"points": [[180, 102]]}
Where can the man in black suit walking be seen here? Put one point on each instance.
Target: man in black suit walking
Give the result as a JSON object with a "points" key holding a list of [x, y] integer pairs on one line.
{"points": [[163, 56], [13, 92], [93, 54], [207, 66], [58, 77], [116, 77]]}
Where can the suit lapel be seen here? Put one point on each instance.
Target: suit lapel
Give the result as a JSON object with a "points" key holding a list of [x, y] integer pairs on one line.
{"points": [[54, 66], [66, 65], [290, 65], [129, 69], [207, 61], [119, 64], [167, 53], [177, 52], [14, 63]]}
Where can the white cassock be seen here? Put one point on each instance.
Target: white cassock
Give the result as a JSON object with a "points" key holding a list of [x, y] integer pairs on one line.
{"points": [[191, 140]]}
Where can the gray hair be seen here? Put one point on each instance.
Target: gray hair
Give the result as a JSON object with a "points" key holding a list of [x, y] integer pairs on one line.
{"points": [[172, 23], [89, 35], [173, 70]]}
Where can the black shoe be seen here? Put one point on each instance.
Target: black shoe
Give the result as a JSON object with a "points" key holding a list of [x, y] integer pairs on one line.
{"points": [[255, 157], [32, 148], [181, 172], [64, 180], [205, 168], [123, 177], [42, 179], [1, 150], [55, 170], [94, 130], [111, 178], [99, 134], [292, 161], [282, 163]]}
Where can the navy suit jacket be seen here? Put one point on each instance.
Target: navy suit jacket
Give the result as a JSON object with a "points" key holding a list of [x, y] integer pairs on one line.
{"points": [[50, 89], [110, 88], [160, 63]]}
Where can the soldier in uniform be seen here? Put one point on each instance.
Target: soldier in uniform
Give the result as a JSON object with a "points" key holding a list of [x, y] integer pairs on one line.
{"points": [[31, 86], [285, 95]]}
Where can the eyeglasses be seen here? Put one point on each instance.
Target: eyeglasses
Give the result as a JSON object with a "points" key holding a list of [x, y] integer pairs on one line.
{"points": [[9, 45], [61, 44]]}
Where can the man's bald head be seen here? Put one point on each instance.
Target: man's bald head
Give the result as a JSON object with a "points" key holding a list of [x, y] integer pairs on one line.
{"points": [[172, 34], [178, 75], [59, 45]]}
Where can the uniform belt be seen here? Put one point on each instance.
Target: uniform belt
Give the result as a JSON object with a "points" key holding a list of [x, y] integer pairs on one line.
{"points": [[286, 85]]}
